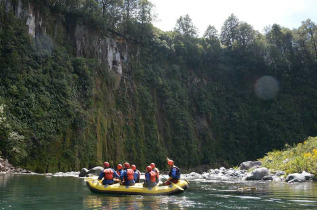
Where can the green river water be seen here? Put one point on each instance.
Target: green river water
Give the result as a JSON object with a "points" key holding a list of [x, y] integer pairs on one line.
{"points": [[42, 192]]}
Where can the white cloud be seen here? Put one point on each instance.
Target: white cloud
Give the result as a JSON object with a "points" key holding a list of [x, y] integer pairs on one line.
{"points": [[288, 13]]}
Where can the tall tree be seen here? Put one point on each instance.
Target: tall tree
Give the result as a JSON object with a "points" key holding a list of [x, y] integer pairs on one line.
{"points": [[245, 35], [130, 12], [185, 27], [111, 11], [310, 30], [229, 31], [211, 45], [211, 33], [145, 14]]}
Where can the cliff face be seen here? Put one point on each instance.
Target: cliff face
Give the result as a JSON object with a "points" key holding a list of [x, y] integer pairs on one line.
{"points": [[76, 93], [105, 126]]}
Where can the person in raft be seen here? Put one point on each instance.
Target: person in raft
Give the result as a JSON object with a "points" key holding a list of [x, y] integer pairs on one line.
{"points": [[174, 173], [137, 174], [150, 177], [157, 172], [119, 169], [127, 175], [107, 175]]}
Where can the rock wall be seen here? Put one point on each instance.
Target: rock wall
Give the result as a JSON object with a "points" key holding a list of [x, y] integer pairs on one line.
{"points": [[112, 51]]}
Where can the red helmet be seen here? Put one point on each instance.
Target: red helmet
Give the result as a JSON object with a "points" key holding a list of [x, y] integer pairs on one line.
{"points": [[119, 166], [133, 167], [170, 162], [127, 165], [152, 165], [106, 164], [149, 168]]}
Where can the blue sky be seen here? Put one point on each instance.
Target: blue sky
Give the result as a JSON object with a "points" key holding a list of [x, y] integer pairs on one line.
{"points": [[287, 13]]}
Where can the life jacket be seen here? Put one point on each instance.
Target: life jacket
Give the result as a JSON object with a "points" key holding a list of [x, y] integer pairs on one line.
{"points": [[108, 174], [130, 175], [119, 172], [178, 172], [157, 175], [153, 176]]}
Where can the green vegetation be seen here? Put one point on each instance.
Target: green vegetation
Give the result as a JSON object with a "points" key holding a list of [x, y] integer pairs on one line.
{"points": [[300, 157], [195, 100]]}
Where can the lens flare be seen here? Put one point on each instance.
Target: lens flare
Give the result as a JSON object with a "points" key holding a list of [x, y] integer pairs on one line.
{"points": [[266, 87]]}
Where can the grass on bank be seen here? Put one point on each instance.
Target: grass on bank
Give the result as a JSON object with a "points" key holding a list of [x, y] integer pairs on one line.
{"points": [[300, 157]]}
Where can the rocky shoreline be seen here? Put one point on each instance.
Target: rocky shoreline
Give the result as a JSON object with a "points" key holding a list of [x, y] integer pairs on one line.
{"points": [[248, 171], [7, 168]]}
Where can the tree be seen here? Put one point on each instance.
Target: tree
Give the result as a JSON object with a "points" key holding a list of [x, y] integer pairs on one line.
{"points": [[245, 35], [211, 33], [111, 11], [12, 144], [309, 30], [145, 15], [185, 27], [130, 12], [229, 31], [211, 45]]}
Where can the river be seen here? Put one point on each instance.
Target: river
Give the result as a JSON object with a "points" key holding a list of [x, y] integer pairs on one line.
{"points": [[45, 192]]}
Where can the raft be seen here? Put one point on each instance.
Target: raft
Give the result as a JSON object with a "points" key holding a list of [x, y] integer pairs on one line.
{"points": [[137, 189]]}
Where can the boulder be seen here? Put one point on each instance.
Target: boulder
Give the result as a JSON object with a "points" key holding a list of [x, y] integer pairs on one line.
{"points": [[268, 178], [249, 164], [194, 175], [279, 173], [218, 177], [278, 179], [83, 172], [96, 170], [258, 174], [296, 177], [231, 172], [211, 171], [2, 168], [205, 175], [308, 176]]}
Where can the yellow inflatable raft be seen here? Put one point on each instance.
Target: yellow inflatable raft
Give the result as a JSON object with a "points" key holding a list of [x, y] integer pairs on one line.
{"points": [[137, 189]]}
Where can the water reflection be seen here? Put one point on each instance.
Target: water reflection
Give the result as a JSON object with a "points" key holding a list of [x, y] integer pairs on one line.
{"points": [[134, 202], [4, 179]]}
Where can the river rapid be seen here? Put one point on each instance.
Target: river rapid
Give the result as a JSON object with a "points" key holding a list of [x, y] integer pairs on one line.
{"points": [[58, 192]]}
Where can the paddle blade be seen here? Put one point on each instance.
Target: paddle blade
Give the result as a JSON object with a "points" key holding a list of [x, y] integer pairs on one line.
{"points": [[178, 187]]}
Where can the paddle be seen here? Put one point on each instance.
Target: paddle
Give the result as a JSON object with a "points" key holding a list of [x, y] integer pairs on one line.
{"points": [[90, 179], [173, 184], [177, 186]]}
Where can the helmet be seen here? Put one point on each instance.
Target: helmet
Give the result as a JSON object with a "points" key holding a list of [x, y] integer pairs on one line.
{"points": [[119, 166], [149, 168], [106, 164], [133, 167], [127, 165], [170, 162], [152, 165]]}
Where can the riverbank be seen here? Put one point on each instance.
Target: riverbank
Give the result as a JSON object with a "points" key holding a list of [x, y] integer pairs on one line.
{"points": [[257, 173], [7, 168], [293, 164], [248, 171]]}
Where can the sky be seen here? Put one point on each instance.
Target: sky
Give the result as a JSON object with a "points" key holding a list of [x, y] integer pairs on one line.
{"points": [[258, 13]]}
